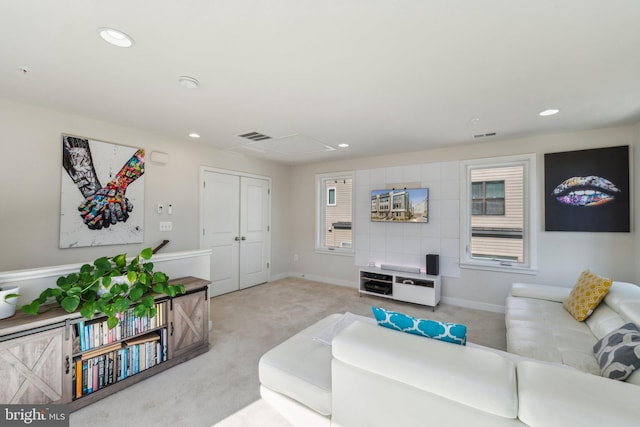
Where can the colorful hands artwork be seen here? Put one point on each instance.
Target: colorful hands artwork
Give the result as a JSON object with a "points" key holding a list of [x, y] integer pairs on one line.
{"points": [[103, 206]]}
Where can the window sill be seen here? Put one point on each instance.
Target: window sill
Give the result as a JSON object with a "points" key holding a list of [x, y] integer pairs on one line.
{"points": [[341, 252], [500, 268]]}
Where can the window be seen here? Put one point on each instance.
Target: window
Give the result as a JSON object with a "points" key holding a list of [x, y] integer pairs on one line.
{"points": [[498, 213], [334, 213], [487, 198], [331, 196]]}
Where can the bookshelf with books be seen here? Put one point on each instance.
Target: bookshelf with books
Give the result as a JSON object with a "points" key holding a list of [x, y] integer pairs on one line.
{"points": [[104, 356], [97, 361]]}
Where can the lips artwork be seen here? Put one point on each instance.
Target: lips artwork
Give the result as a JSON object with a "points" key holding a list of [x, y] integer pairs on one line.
{"points": [[585, 191]]}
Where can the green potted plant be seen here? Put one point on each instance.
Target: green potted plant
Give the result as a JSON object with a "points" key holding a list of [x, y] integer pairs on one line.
{"points": [[110, 286], [8, 300]]}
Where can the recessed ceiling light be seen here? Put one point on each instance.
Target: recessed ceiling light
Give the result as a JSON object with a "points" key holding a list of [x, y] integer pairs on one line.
{"points": [[343, 145], [115, 37], [194, 135], [549, 112], [188, 82]]}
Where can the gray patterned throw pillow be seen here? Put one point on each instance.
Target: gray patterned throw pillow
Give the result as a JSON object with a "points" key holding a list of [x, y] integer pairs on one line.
{"points": [[618, 353]]}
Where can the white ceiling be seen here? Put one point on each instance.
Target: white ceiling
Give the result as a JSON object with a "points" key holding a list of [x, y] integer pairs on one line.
{"points": [[381, 75]]}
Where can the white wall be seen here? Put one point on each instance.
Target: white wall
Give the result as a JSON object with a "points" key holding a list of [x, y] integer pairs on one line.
{"points": [[561, 255], [30, 172]]}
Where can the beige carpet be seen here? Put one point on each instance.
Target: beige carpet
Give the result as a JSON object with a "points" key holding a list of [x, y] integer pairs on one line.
{"points": [[247, 323], [257, 414]]}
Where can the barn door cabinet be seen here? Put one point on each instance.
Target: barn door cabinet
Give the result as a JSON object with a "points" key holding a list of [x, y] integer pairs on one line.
{"points": [[57, 357]]}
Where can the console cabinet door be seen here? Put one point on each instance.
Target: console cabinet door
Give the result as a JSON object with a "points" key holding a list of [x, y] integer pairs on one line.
{"points": [[189, 328], [35, 369]]}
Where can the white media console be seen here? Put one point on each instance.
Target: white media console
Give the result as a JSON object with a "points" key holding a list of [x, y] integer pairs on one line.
{"points": [[406, 286]]}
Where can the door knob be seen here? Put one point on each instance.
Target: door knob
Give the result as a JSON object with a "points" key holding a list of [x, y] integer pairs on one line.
{"points": [[236, 238], [244, 238]]}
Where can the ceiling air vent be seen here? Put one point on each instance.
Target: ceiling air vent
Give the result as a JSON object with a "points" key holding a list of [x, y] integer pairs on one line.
{"points": [[254, 136], [483, 135]]}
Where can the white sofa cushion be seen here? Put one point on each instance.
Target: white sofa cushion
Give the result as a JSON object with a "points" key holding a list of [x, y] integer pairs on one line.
{"points": [[621, 291], [630, 311], [554, 397], [532, 290], [440, 368], [603, 321], [542, 329], [300, 368]]}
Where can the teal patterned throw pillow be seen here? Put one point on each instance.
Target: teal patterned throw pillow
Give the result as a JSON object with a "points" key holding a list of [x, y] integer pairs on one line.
{"points": [[449, 332]]}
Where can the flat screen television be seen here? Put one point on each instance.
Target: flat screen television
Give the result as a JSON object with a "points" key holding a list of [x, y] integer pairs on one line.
{"points": [[400, 205]]}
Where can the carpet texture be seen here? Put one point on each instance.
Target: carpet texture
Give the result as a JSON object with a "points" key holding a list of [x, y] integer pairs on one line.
{"points": [[247, 323]]}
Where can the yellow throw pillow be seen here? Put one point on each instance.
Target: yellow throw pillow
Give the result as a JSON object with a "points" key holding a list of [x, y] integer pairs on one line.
{"points": [[586, 294]]}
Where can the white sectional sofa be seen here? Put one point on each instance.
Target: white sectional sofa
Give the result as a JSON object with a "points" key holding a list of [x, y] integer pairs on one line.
{"points": [[374, 376], [540, 328]]}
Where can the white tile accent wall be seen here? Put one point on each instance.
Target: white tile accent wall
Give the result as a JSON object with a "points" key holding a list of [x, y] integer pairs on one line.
{"points": [[408, 243]]}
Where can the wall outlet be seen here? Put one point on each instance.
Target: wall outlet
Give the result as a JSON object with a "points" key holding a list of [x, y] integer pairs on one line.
{"points": [[166, 225], [295, 258]]}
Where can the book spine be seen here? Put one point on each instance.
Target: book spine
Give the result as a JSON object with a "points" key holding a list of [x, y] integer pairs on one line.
{"points": [[85, 377], [105, 333], [78, 377], [87, 336], [109, 377], [89, 376], [80, 327], [101, 361], [119, 365], [95, 374]]}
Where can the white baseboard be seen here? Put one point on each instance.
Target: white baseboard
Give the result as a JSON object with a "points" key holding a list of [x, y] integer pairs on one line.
{"points": [[459, 302], [330, 280]]}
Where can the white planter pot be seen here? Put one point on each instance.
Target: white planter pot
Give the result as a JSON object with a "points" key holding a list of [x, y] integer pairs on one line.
{"points": [[8, 306], [118, 280]]}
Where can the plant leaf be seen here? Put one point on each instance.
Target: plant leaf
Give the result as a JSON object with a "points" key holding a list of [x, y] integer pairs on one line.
{"points": [[103, 264], [146, 253], [140, 310], [132, 276], [31, 308], [71, 279], [76, 290], [112, 322], [120, 260], [159, 276], [158, 288], [136, 293], [148, 301], [86, 268], [9, 296], [70, 303], [122, 305]]}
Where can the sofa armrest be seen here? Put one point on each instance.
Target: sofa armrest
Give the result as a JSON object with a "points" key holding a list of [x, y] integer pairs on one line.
{"points": [[470, 376], [552, 396], [545, 292]]}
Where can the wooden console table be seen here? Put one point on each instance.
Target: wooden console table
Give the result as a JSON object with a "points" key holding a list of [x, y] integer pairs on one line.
{"points": [[45, 362]]}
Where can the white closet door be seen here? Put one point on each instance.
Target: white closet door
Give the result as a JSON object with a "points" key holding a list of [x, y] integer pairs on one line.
{"points": [[221, 224], [254, 231], [235, 226]]}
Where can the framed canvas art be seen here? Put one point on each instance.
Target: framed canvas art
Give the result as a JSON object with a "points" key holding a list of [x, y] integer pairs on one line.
{"points": [[587, 190], [102, 193]]}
